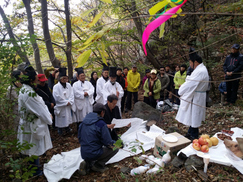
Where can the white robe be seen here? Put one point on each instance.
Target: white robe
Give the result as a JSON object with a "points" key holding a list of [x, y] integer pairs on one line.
{"points": [[195, 92], [35, 131], [111, 89], [99, 90], [83, 104], [64, 115]]}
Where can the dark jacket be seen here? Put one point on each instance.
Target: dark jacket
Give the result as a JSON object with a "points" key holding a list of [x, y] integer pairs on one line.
{"points": [[222, 87], [93, 134], [233, 63], [46, 95], [121, 81]]}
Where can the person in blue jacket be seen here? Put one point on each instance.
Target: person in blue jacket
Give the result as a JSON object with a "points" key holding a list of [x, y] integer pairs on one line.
{"points": [[95, 140], [223, 91]]}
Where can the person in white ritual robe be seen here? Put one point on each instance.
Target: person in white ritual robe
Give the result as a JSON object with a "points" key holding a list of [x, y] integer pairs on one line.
{"points": [[113, 87], [192, 92], [65, 107], [83, 96], [100, 84], [34, 119]]}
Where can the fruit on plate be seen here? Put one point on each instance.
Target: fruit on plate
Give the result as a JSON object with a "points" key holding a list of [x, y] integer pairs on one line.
{"points": [[210, 143], [214, 140], [206, 136], [222, 136], [205, 148], [228, 132], [196, 146], [195, 141], [202, 141]]}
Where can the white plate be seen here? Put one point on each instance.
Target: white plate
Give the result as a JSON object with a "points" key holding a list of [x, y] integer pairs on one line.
{"points": [[170, 138]]}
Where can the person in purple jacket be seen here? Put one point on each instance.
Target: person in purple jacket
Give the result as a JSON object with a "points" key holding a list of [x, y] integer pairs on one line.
{"points": [[147, 75]]}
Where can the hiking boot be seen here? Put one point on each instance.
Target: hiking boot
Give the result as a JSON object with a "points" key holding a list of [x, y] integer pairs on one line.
{"points": [[97, 169], [82, 168]]}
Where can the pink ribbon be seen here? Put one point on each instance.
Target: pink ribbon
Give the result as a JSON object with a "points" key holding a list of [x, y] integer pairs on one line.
{"points": [[156, 23]]}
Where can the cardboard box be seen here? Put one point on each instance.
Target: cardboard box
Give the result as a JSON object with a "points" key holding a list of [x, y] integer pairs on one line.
{"points": [[162, 146]]}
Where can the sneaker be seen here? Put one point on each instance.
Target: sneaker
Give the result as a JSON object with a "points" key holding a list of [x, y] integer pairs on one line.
{"points": [[97, 169], [82, 168]]}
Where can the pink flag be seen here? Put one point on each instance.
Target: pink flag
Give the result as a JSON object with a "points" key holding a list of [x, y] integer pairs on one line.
{"points": [[156, 23]]}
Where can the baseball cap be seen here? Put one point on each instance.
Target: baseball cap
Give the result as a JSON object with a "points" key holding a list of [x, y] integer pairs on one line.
{"points": [[42, 77], [236, 46], [153, 71]]}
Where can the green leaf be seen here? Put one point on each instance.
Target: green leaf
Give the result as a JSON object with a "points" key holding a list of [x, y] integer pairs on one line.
{"points": [[87, 12], [95, 20], [134, 150], [107, 1], [83, 58]]}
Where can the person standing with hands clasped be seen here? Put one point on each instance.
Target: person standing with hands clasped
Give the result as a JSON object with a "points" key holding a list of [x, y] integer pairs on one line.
{"points": [[193, 96], [233, 66], [152, 87]]}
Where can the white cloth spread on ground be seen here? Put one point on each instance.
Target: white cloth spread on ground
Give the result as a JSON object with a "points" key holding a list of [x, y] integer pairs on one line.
{"points": [[219, 154], [65, 164]]}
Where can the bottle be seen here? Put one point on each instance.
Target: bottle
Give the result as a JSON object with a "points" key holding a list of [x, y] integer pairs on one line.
{"points": [[139, 170], [166, 158]]}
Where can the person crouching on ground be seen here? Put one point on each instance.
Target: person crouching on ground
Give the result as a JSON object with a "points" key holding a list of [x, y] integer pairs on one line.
{"points": [[95, 140]]}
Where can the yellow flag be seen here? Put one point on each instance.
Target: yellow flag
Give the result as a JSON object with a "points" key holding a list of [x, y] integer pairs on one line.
{"points": [[162, 30], [94, 21], [83, 58], [157, 7]]}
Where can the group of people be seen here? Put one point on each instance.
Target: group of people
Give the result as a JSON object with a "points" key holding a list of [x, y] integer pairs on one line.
{"points": [[157, 87], [93, 104]]}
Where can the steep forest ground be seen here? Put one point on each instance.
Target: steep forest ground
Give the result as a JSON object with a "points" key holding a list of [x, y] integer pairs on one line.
{"points": [[217, 118]]}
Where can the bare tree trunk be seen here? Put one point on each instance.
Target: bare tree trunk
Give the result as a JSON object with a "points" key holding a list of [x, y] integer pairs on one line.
{"points": [[69, 39], [32, 36], [139, 27], [47, 37], [12, 38]]}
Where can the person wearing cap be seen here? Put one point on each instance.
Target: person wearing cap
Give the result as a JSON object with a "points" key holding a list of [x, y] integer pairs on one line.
{"points": [[100, 84], [34, 119], [233, 66], [193, 95], [164, 80], [133, 80], [83, 96], [44, 91], [152, 87], [147, 75], [64, 108], [12, 95], [95, 140], [179, 79], [113, 87], [124, 75]]}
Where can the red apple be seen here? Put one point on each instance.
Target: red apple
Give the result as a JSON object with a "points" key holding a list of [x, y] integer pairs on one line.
{"points": [[202, 141], [196, 146], [205, 148], [195, 141]]}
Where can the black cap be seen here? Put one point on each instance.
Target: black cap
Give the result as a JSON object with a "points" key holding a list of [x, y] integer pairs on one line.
{"points": [[194, 56], [105, 67], [112, 71], [29, 72], [147, 71], [236, 46], [119, 69], [62, 72], [79, 70], [98, 107]]}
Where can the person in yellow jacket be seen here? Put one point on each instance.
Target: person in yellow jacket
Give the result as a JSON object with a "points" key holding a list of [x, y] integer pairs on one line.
{"points": [[179, 79], [133, 80]]}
